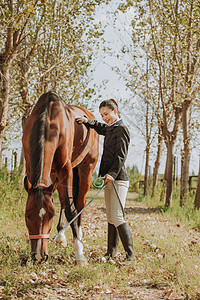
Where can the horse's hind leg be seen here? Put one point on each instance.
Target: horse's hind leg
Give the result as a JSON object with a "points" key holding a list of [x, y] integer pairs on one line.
{"points": [[68, 207]]}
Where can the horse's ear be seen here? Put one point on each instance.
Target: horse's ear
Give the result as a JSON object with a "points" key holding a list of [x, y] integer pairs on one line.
{"points": [[27, 184], [53, 186]]}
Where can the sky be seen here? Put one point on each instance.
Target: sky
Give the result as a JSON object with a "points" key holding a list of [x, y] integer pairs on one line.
{"points": [[115, 87], [110, 85]]}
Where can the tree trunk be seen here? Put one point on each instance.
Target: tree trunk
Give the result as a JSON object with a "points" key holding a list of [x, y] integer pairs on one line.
{"points": [[24, 95], [185, 159], [5, 78], [146, 171], [169, 173], [146, 177], [197, 195], [157, 162], [24, 67]]}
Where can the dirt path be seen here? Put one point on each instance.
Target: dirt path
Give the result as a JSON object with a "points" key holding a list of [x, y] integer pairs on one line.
{"points": [[152, 233], [147, 225]]}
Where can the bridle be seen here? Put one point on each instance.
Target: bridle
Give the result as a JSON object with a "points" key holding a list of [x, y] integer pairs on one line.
{"points": [[39, 236], [43, 235], [100, 187]]}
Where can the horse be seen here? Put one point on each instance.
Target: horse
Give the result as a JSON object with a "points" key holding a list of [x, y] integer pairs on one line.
{"points": [[59, 154]]}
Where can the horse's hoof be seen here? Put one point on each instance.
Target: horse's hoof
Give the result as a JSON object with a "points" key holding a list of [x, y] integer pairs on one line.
{"points": [[61, 239], [81, 262], [63, 243]]}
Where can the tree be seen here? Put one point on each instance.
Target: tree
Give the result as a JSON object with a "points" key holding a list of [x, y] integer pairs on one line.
{"points": [[179, 21], [157, 161], [14, 21], [197, 194], [50, 43], [189, 62], [172, 41]]}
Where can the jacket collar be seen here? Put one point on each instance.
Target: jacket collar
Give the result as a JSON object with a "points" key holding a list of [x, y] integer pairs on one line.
{"points": [[117, 123]]}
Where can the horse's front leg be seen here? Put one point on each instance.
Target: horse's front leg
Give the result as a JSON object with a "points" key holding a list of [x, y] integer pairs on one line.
{"points": [[68, 208], [61, 239], [85, 179]]}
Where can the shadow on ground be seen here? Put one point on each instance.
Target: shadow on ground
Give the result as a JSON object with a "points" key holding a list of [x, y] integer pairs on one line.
{"points": [[136, 210]]}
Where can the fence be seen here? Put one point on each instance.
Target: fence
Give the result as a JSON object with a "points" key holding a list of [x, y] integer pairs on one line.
{"points": [[13, 162]]}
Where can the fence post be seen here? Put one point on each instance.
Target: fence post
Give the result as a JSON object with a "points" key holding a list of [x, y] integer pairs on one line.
{"points": [[6, 162], [15, 160]]}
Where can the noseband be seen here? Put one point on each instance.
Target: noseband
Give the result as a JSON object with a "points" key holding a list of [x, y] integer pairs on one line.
{"points": [[39, 236]]}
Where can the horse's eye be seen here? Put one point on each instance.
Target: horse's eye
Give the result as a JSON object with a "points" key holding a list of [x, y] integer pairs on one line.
{"points": [[28, 217]]}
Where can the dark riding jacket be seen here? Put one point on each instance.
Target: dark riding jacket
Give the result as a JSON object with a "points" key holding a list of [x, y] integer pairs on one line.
{"points": [[115, 148]]}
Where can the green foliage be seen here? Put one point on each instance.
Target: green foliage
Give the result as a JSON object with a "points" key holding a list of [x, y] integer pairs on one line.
{"points": [[11, 191], [46, 45], [134, 178], [186, 214]]}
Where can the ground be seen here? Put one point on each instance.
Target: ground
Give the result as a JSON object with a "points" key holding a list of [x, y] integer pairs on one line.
{"points": [[153, 235]]}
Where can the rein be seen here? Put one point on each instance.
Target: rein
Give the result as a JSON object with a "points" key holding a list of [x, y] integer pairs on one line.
{"points": [[102, 186]]}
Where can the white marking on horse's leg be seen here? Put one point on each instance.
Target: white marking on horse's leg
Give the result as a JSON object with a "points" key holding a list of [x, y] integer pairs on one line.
{"points": [[61, 239], [80, 233], [78, 249]]}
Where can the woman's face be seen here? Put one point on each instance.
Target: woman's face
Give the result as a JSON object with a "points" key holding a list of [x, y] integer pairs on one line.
{"points": [[108, 115]]}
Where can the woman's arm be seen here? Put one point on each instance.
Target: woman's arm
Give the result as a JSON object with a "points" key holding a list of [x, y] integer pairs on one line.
{"points": [[97, 126]]}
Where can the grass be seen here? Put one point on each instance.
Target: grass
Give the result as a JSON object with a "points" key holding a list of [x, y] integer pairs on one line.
{"points": [[186, 214], [166, 246]]}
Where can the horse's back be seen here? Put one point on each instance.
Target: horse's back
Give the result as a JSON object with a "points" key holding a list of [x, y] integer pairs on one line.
{"points": [[86, 141], [65, 139]]}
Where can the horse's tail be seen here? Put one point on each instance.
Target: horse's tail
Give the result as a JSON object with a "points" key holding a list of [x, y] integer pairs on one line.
{"points": [[37, 141], [75, 184]]}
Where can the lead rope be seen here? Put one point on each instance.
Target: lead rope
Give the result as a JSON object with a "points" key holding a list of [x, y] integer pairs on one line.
{"points": [[119, 199], [100, 186]]}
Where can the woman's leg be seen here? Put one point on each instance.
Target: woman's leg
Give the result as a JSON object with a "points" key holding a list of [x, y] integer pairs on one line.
{"points": [[113, 236], [117, 206], [117, 202], [127, 242]]}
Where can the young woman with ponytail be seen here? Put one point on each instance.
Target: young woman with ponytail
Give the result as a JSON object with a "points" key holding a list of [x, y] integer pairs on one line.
{"points": [[112, 167]]}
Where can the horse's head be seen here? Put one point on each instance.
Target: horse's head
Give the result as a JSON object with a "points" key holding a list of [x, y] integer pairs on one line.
{"points": [[39, 217]]}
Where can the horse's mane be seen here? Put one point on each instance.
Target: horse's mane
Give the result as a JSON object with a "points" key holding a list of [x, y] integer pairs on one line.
{"points": [[37, 143], [37, 139]]}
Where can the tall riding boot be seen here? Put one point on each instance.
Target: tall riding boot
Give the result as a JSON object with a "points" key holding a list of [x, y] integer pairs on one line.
{"points": [[127, 242], [113, 241]]}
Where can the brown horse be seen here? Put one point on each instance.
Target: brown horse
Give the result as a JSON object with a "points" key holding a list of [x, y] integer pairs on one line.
{"points": [[60, 154]]}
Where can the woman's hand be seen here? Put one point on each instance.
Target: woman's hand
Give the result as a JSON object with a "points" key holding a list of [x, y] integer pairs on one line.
{"points": [[108, 178], [81, 120]]}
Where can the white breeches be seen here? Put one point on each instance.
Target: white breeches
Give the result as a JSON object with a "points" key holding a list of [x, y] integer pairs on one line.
{"points": [[113, 208]]}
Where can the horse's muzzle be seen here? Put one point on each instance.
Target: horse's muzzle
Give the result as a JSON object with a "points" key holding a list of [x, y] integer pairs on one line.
{"points": [[39, 257]]}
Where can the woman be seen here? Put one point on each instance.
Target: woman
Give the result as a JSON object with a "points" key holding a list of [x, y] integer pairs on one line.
{"points": [[112, 167]]}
